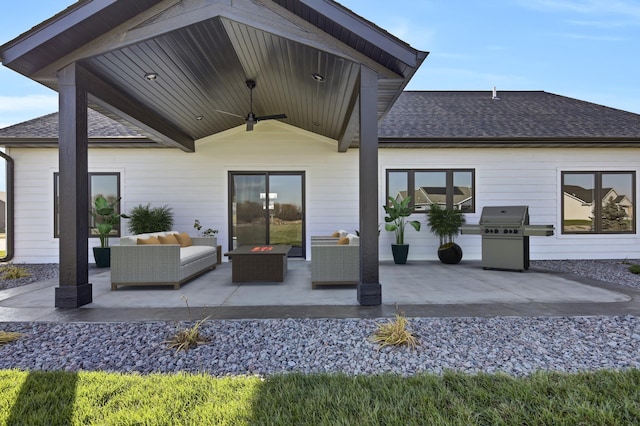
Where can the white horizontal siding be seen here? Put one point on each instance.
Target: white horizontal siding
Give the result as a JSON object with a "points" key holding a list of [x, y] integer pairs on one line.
{"points": [[519, 177], [195, 185]]}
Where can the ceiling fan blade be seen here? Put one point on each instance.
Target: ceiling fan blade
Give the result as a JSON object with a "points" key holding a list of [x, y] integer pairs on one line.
{"points": [[271, 117], [229, 113]]}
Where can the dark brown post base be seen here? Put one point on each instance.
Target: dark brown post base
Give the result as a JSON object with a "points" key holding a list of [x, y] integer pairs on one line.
{"points": [[369, 294], [73, 296]]}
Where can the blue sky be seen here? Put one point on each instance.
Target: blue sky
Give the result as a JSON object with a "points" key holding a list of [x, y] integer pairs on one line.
{"points": [[585, 49]]}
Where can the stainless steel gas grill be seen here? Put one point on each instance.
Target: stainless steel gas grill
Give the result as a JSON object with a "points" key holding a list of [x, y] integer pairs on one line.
{"points": [[505, 234]]}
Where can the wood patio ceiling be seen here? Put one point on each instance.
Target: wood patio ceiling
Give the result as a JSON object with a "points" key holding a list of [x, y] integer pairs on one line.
{"points": [[203, 51]]}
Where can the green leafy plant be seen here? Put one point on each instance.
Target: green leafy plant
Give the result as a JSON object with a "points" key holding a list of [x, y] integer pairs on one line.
{"points": [[395, 333], [445, 223], [396, 219], [189, 337], [106, 215], [634, 269], [13, 272], [145, 219], [207, 232]]}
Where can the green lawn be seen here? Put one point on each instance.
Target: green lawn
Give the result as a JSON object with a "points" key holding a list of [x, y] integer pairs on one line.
{"points": [[287, 233], [59, 398]]}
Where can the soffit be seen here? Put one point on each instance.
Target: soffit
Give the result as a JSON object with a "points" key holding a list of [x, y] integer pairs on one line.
{"points": [[204, 50]]}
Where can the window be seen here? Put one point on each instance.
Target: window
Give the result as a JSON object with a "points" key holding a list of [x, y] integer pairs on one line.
{"points": [[100, 184], [598, 202], [452, 188]]}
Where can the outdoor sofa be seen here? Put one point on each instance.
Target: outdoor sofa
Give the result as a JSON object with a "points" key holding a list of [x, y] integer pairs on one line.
{"points": [[156, 259], [335, 260]]}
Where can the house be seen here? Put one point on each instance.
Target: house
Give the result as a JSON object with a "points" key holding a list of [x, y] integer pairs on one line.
{"points": [[174, 90]]}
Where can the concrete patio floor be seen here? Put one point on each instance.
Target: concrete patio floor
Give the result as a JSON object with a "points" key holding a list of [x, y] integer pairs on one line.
{"points": [[419, 288]]}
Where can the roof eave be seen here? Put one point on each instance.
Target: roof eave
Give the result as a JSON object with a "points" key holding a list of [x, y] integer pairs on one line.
{"points": [[511, 142]]}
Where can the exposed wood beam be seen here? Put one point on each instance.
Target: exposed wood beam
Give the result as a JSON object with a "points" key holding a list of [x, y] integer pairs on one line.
{"points": [[363, 29], [351, 126], [106, 96], [50, 30]]}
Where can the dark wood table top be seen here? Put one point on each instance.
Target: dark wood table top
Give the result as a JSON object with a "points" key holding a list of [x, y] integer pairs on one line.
{"points": [[264, 249]]}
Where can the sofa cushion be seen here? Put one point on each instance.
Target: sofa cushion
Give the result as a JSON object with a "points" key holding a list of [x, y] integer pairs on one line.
{"points": [[354, 240], [184, 239], [192, 253], [149, 240], [168, 239]]}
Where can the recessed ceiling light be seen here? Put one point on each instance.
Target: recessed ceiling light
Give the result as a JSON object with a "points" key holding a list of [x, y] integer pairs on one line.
{"points": [[151, 76], [317, 77], [315, 123], [199, 117]]}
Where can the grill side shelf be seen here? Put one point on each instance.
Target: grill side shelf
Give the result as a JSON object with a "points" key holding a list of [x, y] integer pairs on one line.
{"points": [[471, 229], [538, 230]]}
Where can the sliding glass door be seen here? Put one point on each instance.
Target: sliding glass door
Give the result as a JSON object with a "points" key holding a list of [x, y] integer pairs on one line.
{"points": [[267, 208]]}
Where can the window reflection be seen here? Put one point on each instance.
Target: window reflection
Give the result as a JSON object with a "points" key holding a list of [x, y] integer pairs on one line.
{"points": [[452, 188], [598, 202], [106, 185]]}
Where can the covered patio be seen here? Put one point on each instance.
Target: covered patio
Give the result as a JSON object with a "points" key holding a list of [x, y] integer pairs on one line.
{"points": [[421, 289], [177, 71]]}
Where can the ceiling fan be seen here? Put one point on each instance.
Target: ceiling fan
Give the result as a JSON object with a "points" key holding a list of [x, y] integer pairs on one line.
{"points": [[251, 118]]}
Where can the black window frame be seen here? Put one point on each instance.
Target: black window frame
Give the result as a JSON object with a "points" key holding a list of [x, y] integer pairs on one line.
{"points": [[56, 212], [597, 207], [449, 185]]}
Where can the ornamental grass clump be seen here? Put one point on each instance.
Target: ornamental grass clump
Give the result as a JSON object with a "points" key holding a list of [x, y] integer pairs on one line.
{"points": [[395, 333], [8, 337], [13, 272], [189, 337]]}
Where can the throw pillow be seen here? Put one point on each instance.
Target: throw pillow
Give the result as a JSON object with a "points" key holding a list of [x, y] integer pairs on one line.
{"points": [[343, 241], [150, 240], [336, 234], [168, 239], [184, 239]]}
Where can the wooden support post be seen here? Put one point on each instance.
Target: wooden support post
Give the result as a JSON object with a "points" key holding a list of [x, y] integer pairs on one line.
{"points": [[74, 288], [369, 288]]}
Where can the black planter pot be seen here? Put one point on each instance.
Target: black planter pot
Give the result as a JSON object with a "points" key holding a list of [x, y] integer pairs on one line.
{"points": [[102, 256], [450, 253], [400, 253]]}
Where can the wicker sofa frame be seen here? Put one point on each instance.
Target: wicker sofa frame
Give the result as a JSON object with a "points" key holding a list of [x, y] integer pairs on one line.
{"points": [[332, 263], [153, 265]]}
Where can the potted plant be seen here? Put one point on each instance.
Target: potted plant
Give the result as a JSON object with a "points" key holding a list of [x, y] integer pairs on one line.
{"points": [[207, 232], [145, 219], [396, 221], [106, 216], [446, 223]]}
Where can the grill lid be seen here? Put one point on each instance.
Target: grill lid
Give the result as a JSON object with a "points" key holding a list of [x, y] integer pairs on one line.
{"points": [[505, 215]]}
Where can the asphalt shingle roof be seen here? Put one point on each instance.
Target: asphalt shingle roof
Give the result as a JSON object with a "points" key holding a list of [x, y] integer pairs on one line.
{"points": [[100, 126], [515, 114], [435, 115]]}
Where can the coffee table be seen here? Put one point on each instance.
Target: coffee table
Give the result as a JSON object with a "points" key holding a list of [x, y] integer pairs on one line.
{"points": [[259, 263]]}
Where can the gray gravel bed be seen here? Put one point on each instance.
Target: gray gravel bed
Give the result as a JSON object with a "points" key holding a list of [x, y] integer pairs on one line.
{"points": [[613, 271], [38, 272], [513, 345]]}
